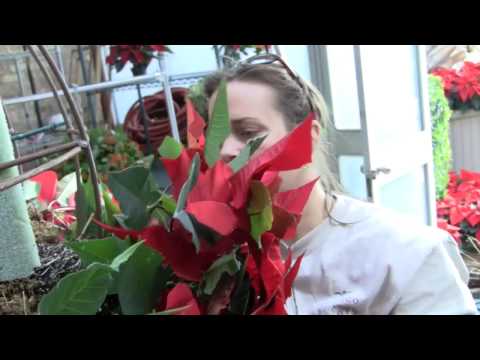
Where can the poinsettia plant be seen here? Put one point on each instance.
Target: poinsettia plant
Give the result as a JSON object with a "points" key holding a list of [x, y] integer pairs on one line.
{"points": [[139, 55], [459, 211], [55, 199], [462, 86], [203, 240]]}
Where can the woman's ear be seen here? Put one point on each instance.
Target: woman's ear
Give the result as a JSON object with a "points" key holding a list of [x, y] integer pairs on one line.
{"points": [[316, 131]]}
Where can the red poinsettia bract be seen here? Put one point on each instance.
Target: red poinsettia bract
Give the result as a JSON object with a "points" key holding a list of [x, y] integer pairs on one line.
{"points": [[461, 205]]}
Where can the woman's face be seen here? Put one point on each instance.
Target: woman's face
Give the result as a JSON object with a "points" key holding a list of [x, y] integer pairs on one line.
{"points": [[253, 114]]}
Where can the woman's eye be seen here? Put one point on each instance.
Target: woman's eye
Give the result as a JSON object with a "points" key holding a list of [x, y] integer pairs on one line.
{"points": [[247, 134]]}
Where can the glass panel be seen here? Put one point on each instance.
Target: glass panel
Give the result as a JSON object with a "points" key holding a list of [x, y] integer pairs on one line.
{"points": [[407, 195], [343, 87], [391, 85], [352, 179]]}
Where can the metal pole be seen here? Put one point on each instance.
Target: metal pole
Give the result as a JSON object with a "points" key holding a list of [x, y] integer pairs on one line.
{"points": [[4, 185], [49, 151], [58, 54], [86, 81], [144, 120], [106, 77], [87, 88], [27, 134], [32, 86], [169, 98], [21, 82], [81, 128], [61, 106]]}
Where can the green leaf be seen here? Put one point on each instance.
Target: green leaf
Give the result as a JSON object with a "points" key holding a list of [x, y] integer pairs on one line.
{"points": [[80, 293], [125, 256], [218, 127], [169, 204], [141, 281], [241, 296], [170, 148], [110, 208], [162, 216], [85, 207], [476, 102], [66, 187], [226, 264], [134, 189], [102, 251], [188, 224], [159, 174], [121, 219], [246, 153], [260, 211], [180, 214], [165, 201], [189, 184]]}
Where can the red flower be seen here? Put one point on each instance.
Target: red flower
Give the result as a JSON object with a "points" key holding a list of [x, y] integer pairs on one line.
{"points": [[177, 248], [271, 277], [459, 211], [465, 83], [449, 77], [282, 156], [195, 126], [48, 181], [467, 87], [136, 54], [181, 297], [453, 230]]}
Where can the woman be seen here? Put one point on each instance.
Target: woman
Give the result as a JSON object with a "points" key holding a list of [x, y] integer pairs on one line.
{"points": [[359, 258]]}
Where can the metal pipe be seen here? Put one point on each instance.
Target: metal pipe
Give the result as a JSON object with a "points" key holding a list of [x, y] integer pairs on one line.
{"points": [[145, 120], [86, 88], [169, 99], [50, 151], [27, 134], [86, 80], [81, 128], [58, 54], [33, 88], [23, 91], [107, 85], [17, 55], [44, 167], [63, 110]]}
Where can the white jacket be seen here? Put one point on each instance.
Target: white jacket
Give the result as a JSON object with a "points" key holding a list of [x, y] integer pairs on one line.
{"points": [[381, 264]]}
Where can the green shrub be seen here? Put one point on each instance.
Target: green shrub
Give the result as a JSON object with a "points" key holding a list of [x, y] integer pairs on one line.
{"points": [[442, 152]]}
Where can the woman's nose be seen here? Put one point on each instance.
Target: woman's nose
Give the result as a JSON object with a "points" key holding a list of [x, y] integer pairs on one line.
{"points": [[231, 148]]}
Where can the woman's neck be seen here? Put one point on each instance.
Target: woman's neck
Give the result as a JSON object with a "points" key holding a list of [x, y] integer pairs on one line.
{"points": [[314, 212]]}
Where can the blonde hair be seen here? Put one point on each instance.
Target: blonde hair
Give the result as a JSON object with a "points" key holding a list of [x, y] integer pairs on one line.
{"points": [[294, 100]]}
